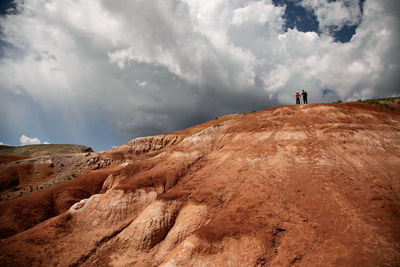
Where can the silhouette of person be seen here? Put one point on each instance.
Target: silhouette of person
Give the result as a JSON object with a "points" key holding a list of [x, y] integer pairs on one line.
{"points": [[297, 95], [304, 94]]}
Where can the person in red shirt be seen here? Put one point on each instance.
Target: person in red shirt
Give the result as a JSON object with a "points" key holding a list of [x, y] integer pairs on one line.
{"points": [[297, 95]]}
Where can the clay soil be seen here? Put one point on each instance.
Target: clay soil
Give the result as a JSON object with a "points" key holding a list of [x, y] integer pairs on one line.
{"points": [[305, 185], [10, 158]]}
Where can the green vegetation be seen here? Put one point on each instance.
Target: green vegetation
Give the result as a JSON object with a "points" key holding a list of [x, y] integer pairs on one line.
{"points": [[43, 150], [386, 103]]}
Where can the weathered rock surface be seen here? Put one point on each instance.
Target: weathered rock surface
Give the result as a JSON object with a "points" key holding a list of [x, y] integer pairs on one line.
{"points": [[310, 185]]}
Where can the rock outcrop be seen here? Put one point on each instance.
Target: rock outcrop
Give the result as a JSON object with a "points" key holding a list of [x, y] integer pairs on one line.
{"points": [[309, 185]]}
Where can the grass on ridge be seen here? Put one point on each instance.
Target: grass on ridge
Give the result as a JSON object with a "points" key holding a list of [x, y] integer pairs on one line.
{"points": [[387, 103], [43, 150]]}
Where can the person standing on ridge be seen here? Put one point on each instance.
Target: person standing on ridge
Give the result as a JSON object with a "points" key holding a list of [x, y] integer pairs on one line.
{"points": [[297, 95], [304, 94]]}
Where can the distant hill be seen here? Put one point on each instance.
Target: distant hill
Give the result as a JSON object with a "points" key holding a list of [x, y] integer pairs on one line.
{"points": [[43, 150]]}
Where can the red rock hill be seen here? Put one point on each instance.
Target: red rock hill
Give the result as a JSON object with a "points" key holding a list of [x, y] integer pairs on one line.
{"points": [[309, 185]]}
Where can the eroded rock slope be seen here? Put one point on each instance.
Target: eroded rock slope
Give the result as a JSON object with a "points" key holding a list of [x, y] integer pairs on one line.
{"points": [[310, 185]]}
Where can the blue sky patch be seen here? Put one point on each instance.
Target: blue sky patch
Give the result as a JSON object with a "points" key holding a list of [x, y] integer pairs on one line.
{"points": [[5, 6], [296, 16], [327, 92], [345, 34]]}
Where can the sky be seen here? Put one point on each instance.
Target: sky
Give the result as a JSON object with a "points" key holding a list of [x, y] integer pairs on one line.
{"points": [[100, 73]]}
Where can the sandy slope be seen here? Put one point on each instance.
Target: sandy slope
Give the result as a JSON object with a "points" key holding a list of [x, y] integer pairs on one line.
{"points": [[310, 185]]}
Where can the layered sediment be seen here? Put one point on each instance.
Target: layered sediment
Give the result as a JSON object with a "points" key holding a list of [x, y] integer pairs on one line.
{"points": [[309, 185]]}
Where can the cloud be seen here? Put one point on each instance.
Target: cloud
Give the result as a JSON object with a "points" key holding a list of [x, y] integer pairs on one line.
{"points": [[25, 140], [189, 39], [334, 14], [257, 12], [77, 70], [141, 83]]}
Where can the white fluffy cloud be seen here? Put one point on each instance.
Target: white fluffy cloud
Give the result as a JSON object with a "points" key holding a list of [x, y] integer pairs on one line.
{"points": [[25, 140], [188, 38], [335, 14], [260, 12], [144, 67]]}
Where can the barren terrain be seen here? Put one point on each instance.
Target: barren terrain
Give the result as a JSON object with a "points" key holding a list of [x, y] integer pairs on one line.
{"points": [[42, 150], [306, 185]]}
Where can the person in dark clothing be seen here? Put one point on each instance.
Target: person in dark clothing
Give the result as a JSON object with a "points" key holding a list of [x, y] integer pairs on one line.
{"points": [[304, 94], [297, 95]]}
